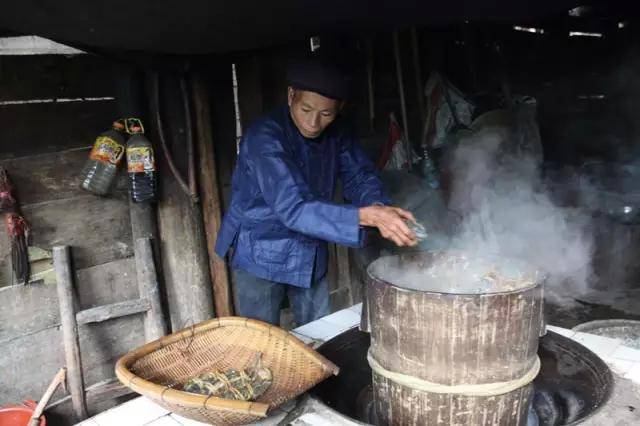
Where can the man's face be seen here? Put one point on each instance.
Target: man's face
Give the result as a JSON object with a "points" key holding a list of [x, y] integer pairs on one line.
{"points": [[311, 112]]}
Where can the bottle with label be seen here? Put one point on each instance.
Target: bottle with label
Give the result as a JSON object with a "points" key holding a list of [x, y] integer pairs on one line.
{"points": [[141, 164], [100, 170]]}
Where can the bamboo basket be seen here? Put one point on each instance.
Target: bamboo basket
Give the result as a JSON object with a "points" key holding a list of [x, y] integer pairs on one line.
{"points": [[158, 369]]}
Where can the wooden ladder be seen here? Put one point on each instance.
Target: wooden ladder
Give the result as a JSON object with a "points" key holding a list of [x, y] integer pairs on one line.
{"points": [[149, 304]]}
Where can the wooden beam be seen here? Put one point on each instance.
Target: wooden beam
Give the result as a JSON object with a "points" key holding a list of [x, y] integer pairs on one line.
{"points": [[67, 302], [181, 231], [370, 85], [250, 93], [403, 103], [114, 310], [155, 325], [106, 389], [344, 270], [211, 202], [415, 49]]}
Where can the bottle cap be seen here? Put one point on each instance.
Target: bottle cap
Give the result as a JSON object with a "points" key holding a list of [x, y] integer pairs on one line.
{"points": [[133, 125], [118, 124]]}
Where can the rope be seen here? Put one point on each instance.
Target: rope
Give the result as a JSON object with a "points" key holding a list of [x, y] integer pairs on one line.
{"points": [[485, 389], [231, 387]]}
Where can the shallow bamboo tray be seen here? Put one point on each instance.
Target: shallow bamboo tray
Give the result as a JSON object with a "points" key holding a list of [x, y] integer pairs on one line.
{"points": [[157, 368]]}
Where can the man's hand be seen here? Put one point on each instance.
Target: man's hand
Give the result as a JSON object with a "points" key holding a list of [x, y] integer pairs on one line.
{"points": [[391, 223]]}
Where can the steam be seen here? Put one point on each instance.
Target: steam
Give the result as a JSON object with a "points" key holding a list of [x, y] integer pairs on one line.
{"points": [[499, 215], [507, 213]]}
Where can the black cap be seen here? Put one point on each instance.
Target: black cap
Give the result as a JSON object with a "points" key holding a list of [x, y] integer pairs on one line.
{"points": [[320, 75]]}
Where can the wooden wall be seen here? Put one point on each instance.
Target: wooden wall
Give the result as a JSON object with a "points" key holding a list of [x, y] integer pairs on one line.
{"points": [[44, 147]]}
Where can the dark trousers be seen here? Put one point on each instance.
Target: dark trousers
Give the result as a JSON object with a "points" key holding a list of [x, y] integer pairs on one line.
{"points": [[261, 299]]}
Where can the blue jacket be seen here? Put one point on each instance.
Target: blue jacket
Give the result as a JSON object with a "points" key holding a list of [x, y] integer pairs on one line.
{"points": [[282, 214]]}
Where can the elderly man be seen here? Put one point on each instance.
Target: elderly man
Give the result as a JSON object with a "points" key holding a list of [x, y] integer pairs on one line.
{"points": [[282, 212]]}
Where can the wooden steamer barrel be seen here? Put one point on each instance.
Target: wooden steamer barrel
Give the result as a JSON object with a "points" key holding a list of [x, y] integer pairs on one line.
{"points": [[451, 359]]}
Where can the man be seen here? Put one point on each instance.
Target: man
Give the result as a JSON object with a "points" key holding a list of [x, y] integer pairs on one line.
{"points": [[282, 214]]}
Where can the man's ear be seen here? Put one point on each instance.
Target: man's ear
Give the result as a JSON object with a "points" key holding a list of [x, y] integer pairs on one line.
{"points": [[290, 94], [341, 105]]}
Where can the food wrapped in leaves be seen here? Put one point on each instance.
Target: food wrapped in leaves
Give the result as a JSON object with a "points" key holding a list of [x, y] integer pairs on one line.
{"points": [[243, 385]]}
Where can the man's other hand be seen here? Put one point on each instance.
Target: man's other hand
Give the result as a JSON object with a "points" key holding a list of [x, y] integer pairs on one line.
{"points": [[391, 221]]}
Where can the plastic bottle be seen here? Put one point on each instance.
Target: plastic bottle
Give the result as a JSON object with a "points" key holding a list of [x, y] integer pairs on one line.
{"points": [[101, 167], [140, 165]]}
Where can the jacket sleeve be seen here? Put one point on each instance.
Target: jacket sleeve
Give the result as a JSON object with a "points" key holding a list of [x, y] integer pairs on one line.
{"points": [[360, 182], [286, 192]]}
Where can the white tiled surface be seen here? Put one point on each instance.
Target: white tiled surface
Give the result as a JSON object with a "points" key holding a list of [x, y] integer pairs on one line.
{"points": [[88, 422], [622, 360], [184, 421], [139, 411], [343, 319], [633, 373], [317, 330], [564, 331], [165, 421], [623, 352], [602, 346], [142, 412]]}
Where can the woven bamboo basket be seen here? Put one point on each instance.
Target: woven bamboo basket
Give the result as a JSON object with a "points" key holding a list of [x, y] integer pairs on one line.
{"points": [[158, 369]]}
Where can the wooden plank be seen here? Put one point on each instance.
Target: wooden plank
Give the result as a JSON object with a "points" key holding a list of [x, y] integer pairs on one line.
{"points": [[249, 73], [403, 104], [107, 389], [51, 176], [66, 300], [143, 220], [27, 309], [210, 198], [34, 359], [108, 283], [40, 77], [31, 308], [131, 103], [115, 310], [339, 299], [343, 269], [97, 228], [332, 267], [155, 325], [44, 128], [224, 128], [102, 345]]}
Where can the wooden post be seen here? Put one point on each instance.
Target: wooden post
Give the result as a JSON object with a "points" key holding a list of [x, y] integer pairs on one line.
{"points": [[343, 269], [211, 202], [344, 272], [66, 299], [403, 104], [250, 92], [370, 86], [154, 322], [181, 232], [129, 90], [143, 223], [418, 71]]}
